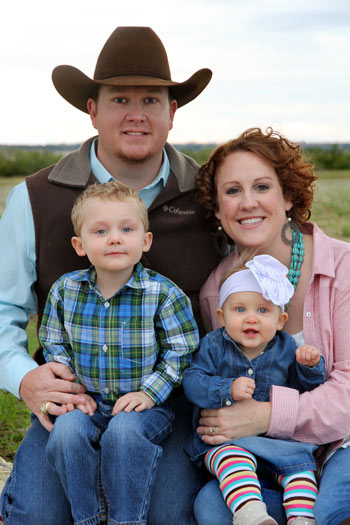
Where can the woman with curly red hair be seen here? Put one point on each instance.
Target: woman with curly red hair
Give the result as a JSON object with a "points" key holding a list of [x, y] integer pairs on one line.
{"points": [[258, 190]]}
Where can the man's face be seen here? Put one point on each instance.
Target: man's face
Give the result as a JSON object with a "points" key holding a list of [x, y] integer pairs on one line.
{"points": [[133, 122]]}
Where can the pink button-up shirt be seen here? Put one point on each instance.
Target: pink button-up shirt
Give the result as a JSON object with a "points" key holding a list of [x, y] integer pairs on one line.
{"points": [[322, 415]]}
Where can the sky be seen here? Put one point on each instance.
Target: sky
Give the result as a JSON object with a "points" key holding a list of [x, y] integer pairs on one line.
{"points": [[275, 63]]}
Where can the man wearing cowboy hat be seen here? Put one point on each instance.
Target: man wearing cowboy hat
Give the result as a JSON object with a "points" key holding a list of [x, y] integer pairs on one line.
{"points": [[131, 101]]}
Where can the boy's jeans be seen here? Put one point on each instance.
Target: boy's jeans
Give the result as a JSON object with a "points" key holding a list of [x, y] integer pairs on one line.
{"points": [[126, 449], [33, 493]]}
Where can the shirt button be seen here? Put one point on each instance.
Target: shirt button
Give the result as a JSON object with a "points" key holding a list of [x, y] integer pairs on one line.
{"points": [[107, 305], [250, 371], [106, 390], [105, 348], [228, 403], [308, 314]]}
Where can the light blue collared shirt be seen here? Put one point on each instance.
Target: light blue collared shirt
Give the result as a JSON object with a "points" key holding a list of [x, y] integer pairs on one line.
{"points": [[18, 273]]}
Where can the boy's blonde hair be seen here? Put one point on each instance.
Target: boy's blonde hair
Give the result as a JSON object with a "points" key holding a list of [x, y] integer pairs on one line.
{"points": [[110, 190]]}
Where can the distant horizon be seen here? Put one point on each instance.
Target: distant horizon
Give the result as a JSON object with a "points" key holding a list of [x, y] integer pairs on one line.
{"points": [[200, 145]]}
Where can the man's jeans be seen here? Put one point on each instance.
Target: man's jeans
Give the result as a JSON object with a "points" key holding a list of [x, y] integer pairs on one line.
{"points": [[126, 449], [34, 494]]}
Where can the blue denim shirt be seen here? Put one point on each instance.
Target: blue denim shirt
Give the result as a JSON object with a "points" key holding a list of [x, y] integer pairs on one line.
{"points": [[219, 361], [207, 383]]}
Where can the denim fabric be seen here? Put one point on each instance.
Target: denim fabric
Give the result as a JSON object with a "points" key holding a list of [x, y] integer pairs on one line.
{"points": [[280, 456], [126, 449], [33, 493], [333, 501], [219, 361], [332, 504], [210, 507], [178, 479], [207, 384]]}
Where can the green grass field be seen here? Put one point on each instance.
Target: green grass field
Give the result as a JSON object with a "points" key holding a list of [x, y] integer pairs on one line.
{"points": [[331, 211], [14, 415]]}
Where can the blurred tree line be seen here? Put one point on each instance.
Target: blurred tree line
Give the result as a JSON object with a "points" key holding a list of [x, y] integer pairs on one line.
{"points": [[328, 157], [18, 161]]}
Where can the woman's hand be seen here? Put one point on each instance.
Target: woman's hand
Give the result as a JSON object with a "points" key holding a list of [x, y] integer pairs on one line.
{"points": [[244, 418]]}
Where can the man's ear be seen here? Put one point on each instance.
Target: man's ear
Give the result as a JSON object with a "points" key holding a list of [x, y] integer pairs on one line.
{"points": [[78, 246], [173, 108], [220, 314], [92, 109]]}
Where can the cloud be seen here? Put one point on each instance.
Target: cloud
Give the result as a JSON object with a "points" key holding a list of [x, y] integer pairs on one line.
{"points": [[273, 61]]}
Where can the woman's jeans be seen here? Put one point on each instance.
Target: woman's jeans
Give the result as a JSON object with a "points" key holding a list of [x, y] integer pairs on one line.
{"points": [[332, 504], [123, 451]]}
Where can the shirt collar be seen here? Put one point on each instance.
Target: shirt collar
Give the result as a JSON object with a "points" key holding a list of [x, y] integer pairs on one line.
{"points": [[137, 280], [149, 192]]}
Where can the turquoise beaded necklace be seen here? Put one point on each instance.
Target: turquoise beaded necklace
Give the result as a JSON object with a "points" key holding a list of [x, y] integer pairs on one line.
{"points": [[297, 258]]}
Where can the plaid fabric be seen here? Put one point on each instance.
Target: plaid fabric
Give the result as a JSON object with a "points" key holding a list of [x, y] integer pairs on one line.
{"points": [[140, 339]]}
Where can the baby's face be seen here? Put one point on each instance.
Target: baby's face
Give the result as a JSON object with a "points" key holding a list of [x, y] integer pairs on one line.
{"points": [[251, 320]]}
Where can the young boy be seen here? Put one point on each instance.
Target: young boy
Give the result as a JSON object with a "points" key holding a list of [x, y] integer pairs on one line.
{"points": [[242, 360], [127, 333]]}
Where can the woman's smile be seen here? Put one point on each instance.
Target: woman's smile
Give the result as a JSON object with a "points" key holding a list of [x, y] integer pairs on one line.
{"points": [[251, 205]]}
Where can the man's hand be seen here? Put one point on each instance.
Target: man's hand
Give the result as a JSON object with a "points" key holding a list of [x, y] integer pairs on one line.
{"points": [[244, 418], [137, 401], [51, 382], [307, 355], [242, 388]]}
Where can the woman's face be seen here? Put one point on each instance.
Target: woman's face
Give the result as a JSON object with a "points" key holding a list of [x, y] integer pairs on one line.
{"points": [[251, 205]]}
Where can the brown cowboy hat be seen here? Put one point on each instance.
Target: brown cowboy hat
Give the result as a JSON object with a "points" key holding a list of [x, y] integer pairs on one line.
{"points": [[132, 56]]}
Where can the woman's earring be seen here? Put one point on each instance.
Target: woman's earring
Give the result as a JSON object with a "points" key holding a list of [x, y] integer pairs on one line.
{"points": [[220, 242], [294, 231]]}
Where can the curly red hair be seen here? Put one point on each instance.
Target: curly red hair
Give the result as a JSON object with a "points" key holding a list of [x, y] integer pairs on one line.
{"points": [[295, 174]]}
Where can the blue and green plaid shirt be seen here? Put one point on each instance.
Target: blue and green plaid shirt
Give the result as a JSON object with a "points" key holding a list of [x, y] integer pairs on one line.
{"points": [[139, 339]]}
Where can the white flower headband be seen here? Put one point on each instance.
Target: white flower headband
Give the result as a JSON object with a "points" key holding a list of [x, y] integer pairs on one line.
{"points": [[265, 275]]}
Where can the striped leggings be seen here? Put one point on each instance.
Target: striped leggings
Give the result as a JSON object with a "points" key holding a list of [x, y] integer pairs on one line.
{"points": [[235, 469]]}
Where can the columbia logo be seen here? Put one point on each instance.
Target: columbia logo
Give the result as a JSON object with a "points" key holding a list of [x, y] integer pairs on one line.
{"points": [[172, 209]]}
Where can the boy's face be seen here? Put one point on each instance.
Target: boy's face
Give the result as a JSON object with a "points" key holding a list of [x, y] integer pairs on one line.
{"points": [[112, 235], [251, 320]]}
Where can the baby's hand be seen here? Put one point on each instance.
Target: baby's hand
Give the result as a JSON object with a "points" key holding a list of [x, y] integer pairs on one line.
{"points": [[89, 407], [137, 401], [307, 355], [242, 388]]}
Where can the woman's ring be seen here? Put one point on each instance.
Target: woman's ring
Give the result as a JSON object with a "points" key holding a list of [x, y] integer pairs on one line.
{"points": [[43, 407], [213, 431]]}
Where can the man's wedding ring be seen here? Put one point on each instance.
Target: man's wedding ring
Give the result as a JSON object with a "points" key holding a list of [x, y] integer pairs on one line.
{"points": [[213, 431], [43, 407]]}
